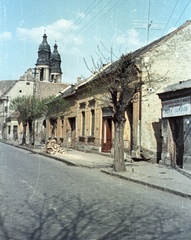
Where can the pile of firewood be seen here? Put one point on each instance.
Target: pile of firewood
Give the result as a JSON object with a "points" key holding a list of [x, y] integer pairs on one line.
{"points": [[53, 148]]}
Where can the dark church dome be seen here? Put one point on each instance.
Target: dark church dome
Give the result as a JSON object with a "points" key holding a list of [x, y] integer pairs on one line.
{"points": [[44, 45], [44, 52], [55, 60]]}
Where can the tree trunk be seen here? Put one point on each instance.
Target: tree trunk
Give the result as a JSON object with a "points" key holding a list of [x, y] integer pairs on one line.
{"points": [[24, 134], [33, 133], [53, 122], [30, 132], [53, 130], [119, 163]]}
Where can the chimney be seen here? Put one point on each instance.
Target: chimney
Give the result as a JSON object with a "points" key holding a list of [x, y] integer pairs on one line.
{"points": [[79, 79]]}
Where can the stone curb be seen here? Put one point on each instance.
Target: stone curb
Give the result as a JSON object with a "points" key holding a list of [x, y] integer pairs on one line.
{"points": [[51, 156], [65, 161], [57, 158], [148, 184], [108, 172]]}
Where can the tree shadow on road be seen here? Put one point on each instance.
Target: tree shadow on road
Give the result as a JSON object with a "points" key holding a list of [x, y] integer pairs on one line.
{"points": [[71, 218]]}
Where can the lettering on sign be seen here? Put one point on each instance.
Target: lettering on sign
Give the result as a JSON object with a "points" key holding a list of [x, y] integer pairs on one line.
{"points": [[176, 107]]}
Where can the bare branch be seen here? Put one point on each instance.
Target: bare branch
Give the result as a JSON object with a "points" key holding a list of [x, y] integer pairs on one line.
{"points": [[108, 50]]}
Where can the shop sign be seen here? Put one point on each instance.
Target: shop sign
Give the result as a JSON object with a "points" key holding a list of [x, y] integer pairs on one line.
{"points": [[176, 107]]}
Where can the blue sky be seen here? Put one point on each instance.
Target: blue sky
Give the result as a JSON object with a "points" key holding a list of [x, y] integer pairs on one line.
{"points": [[83, 29]]}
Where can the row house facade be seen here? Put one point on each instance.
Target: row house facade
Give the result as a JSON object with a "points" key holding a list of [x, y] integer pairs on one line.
{"points": [[88, 123]]}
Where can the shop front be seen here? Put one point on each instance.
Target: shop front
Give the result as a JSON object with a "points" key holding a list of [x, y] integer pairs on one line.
{"points": [[176, 127]]}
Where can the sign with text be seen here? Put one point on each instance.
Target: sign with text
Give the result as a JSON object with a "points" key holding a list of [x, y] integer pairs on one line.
{"points": [[176, 107]]}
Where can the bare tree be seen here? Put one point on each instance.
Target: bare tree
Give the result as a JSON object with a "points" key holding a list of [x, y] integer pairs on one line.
{"points": [[120, 81], [55, 106]]}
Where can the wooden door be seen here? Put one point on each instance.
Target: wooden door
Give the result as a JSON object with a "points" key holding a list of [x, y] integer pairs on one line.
{"points": [[72, 136], [106, 134]]}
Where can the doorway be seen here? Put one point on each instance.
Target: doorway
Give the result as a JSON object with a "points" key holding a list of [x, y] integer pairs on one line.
{"points": [[72, 133], [177, 128], [106, 134]]}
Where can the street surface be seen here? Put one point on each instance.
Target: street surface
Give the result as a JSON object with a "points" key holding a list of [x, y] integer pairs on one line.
{"points": [[45, 199]]}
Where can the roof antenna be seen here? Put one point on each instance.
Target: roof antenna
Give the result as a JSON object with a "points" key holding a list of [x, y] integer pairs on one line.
{"points": [[148, 25], [149, 22]]}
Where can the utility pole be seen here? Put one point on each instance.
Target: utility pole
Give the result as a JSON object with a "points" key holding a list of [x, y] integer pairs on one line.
{"points": [[148, 22], [34, 97]]}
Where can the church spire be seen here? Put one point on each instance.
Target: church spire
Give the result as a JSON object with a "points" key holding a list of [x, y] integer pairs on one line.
{"points": [[43, 61], [55, 60]]}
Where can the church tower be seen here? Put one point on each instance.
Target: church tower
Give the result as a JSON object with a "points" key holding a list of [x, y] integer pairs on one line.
{"points": [[48, 65], [43, 61], [55, 61]]}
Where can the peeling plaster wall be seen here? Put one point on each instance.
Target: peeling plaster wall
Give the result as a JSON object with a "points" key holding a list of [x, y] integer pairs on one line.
{"points": [[166, 63]]}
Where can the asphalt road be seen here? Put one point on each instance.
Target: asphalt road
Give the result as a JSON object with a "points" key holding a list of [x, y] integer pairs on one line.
{"points": [[45, 199]]}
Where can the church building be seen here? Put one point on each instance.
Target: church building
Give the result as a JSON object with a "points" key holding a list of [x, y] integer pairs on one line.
{"points": [[48, 65], [45, 80]]}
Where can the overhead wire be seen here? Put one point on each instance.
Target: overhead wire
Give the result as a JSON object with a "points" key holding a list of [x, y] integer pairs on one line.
{"points": [[96, 22], [80, 19], [182, 12], [102, 17], [75, 34], [170, 17]]}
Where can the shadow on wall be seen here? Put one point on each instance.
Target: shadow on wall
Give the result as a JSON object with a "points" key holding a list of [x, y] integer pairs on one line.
{"points": [[158, 136]]}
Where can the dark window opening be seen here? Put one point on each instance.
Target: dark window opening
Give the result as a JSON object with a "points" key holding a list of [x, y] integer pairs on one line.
{"points": [[41, 74], [83, 123], [82, 105], [93, 122]]}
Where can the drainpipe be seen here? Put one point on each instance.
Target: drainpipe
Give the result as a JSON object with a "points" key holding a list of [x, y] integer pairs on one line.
{"points": [[76, 133], [139, 117], [140, 121]]}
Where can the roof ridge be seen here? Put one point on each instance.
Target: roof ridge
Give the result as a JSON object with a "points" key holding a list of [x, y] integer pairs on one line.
{"points": [[163, 38], [10, 87]]}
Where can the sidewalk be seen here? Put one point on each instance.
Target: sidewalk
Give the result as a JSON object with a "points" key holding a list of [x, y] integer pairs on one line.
{"points": [[176, 181]]}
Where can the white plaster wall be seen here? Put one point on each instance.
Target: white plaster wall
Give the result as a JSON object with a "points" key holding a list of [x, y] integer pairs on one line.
{"points": [[167, 63], [23, 87], [20, 89]]}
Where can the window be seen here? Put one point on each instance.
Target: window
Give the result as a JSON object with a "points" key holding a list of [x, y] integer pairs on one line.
{"points": [[82, 105], [83, 123], [92, 122], [9, 129], [41, 74], [92, 103]]}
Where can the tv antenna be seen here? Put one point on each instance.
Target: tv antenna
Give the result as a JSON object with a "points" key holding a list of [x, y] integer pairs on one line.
{"points": [[148, 25]]}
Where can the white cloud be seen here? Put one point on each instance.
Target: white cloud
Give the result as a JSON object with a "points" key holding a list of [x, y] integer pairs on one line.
{"points": [[64, 32], [5, 36], [80, 14], [130, 39], [61, 30]]}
